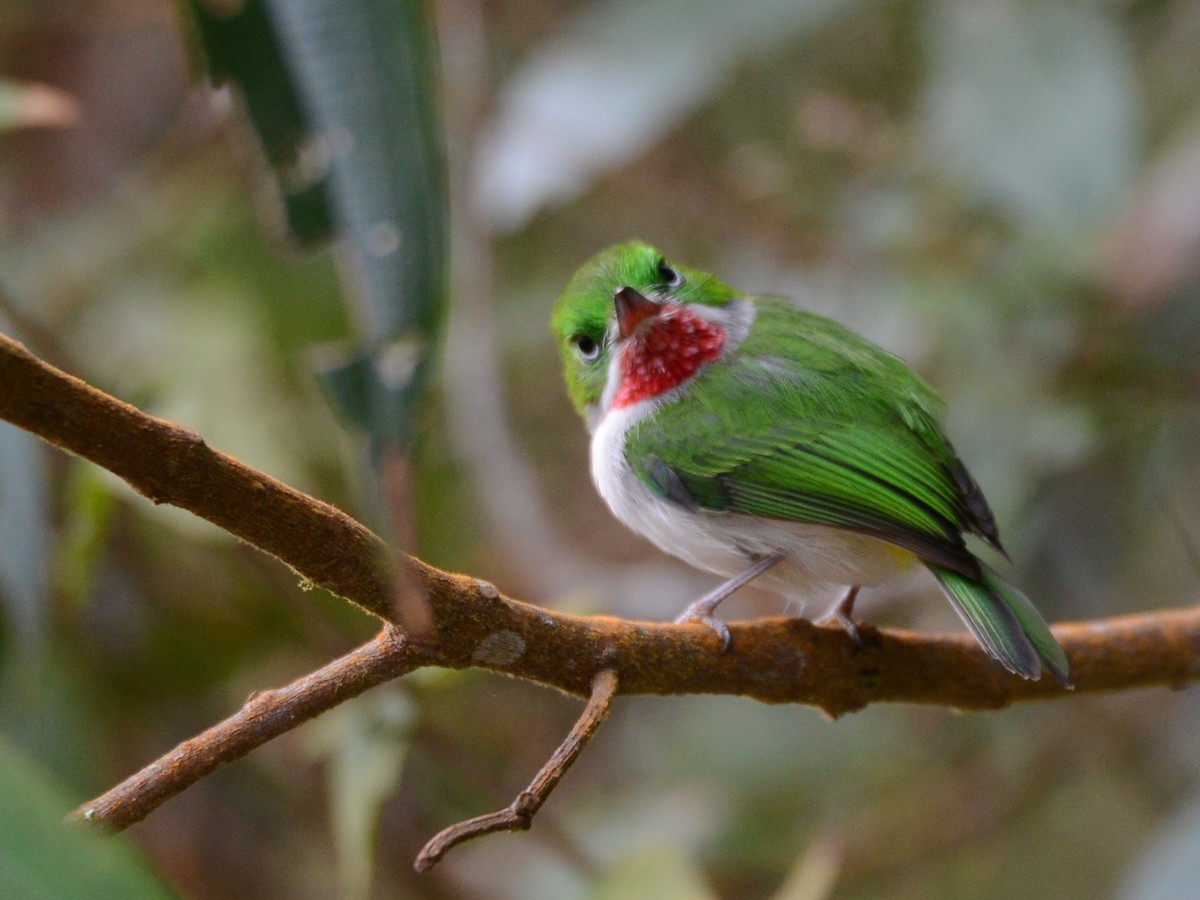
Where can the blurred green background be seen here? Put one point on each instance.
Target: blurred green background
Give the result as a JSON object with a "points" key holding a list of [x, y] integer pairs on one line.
{"points": [[1007, 194]]}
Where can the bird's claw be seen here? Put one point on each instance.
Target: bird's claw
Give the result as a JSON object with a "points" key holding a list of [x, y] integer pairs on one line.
{"points": [[840, 613], [706, 618], [847, 623]]}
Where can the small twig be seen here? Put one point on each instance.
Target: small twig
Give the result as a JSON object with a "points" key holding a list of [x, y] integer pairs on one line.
{"points": [[518, 815], [264, 716]]}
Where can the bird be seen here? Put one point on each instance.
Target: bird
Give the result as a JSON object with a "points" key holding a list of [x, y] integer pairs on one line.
{"points": [[762, 442]]}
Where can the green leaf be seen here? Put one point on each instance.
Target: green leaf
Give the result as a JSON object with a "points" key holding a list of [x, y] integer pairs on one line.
{"points": [[243, 48], [41, 856], [378, 391], [88, 513], [342, 95]]}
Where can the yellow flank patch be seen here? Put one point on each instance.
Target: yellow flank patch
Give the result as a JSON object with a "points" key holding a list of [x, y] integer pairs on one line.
{"points": [[904, 559]]}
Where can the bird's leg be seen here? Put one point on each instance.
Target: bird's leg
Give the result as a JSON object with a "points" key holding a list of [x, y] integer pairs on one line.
{"points": [[702, 610], [840, 612]]}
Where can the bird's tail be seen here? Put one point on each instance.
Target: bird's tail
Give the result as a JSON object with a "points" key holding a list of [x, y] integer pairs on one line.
{"points": [[1005, 623]]}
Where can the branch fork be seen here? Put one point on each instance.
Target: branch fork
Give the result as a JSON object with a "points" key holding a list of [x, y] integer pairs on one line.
{"points": [[470, 624]]}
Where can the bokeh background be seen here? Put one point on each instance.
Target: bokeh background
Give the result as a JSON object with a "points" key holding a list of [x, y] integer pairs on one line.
{"points": [[1007, 194]]}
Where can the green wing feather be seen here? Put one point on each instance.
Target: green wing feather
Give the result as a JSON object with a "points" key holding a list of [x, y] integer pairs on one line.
{"points": [[838, 433]]}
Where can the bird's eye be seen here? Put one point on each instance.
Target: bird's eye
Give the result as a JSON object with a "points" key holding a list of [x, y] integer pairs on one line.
{"points": [[670, 277], [587, 348]]}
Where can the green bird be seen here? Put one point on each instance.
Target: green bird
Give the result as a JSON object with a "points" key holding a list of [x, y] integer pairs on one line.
{"points": [[756, 440]]}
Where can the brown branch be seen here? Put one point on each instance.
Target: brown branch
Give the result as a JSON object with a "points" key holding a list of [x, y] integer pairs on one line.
{"points": [[518, 815], [264, 716], [170, 464], [774, 660]]}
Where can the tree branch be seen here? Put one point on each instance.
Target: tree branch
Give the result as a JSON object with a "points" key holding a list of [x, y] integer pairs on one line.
{"points": [[264, 716], [518, 815], [170, 464], [777, 660]]}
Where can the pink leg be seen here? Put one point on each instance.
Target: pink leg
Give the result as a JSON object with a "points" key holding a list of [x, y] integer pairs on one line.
{"points": [[702, 610]]}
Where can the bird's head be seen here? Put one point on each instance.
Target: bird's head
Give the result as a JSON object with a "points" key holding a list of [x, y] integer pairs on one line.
{"points": [[619, 296]]}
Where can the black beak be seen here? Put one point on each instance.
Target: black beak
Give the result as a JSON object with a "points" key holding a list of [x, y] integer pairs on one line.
{"points": [[632, 308]]}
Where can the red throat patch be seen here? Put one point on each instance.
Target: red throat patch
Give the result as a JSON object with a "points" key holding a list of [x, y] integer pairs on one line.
{"points": [[669, 352]]}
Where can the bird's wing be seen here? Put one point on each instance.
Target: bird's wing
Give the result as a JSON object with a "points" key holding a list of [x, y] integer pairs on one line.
{"points": [[833, 432]]}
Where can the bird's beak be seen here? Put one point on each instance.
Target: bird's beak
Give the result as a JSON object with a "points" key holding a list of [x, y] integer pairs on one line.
{"points": [[632, 309]]}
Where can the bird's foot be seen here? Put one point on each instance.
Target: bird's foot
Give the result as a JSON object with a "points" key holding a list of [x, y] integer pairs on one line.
{"points": [[702, 610], [841, 612], [701, 613], [846, 622]]}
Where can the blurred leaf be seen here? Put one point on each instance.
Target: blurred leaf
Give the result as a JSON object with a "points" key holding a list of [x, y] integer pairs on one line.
{"points": [[1033, 107], [48, 711], [244, 48], [621, 76], [342, 92], [375, 390], [41, 856], [364, 742], [365, 74], [26, 105], [653, 873], [24, 534], [88, 505]]}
